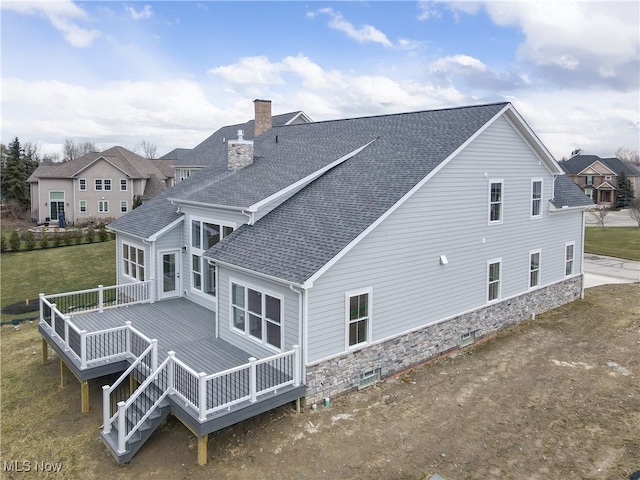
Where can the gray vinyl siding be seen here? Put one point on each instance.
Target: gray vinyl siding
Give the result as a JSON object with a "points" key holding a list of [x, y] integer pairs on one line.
{"points": [[121, 278], [400, 259], [290, 322]]}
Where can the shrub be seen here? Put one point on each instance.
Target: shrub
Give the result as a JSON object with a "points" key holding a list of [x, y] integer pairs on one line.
{"points": [[68, 237], [14, 241], [30, 240], [77, 236], [91, 233], [3, 245], [103, 234], [57, 238], [44, 239]]}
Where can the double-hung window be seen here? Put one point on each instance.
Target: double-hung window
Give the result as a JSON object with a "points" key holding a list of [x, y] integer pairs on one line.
{"points": [[205, 235], [82, 184], [133, 262], [124, 206], [495, 201], [534, 269], [569, 256], [358, 318], [83, 206], [536, 198], [98, 184], [257, 314], [107, 184], [123, 184], [103, 206], [494, 276]]}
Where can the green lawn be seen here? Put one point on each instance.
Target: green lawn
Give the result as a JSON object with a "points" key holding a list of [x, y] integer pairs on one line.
{"points": [[54, 270], [621, 242]]}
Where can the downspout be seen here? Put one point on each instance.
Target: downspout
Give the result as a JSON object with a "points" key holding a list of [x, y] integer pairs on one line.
{"points": [[250, 215], [584, 215], [213, 263], [302, 330]]}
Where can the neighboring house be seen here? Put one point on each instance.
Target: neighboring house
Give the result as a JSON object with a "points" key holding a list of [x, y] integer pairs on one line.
{"points": [[214, 148], [96, 185], [319, 259], [598, 177]]}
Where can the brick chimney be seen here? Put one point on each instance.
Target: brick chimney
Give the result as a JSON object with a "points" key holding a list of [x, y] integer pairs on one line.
{"points": [[262, 116]]}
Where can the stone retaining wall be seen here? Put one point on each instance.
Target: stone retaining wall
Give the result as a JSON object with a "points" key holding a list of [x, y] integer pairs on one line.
{"points": [[342, 374]]}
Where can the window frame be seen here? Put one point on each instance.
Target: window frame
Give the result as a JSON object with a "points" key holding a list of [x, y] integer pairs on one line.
{"points": [[498, 296], [124, 183], [107, 184], [537, 271], [103, 206], [129, 264], [124, 206], [82, 206], [572, 261], [82, 184], [491, 202], [536, 201], [206, 272], [368, 318], [247, 314], [98, 182]]}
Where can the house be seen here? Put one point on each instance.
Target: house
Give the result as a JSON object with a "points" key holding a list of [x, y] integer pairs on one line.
{"points": [[214, 148], [316, 260], [96, 185], [598, 177]]}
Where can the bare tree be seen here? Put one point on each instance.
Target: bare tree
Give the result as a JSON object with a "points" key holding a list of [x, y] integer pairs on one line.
{"points": [[149, 150], [634, 210], [599, 212], [71, 150], [628, 155]]}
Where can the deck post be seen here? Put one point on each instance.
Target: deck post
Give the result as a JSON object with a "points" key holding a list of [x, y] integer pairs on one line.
{"points": [[170, 375], [84, 396], [154, 354], [63, 374], [83, 349], [296, 365], [106, 410], [66, 333], [253, 387], [45, 351], [127, 344], [202, 449], [121, 428], [53, 319], [100, 298], [40, 296], [202, 404]]}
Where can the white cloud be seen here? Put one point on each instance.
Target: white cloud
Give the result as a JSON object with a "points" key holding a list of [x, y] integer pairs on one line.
{"points": [[146, 12], [448, 63], [63, 15], [365, 34]]}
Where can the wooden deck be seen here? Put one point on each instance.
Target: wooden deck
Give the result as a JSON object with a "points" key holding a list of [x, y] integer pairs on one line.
{"points": [[179, 325]]}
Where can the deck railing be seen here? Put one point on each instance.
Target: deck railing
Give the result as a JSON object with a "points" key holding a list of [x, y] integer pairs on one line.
{"points": [[90, 348], [204, 394], [101, 298]]}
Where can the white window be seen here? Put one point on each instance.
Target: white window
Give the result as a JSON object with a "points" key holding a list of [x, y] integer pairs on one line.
{"points": [[495, 201], [83, 206], [123, 184], [358, 318], [536, 198], [133, 262], [103, 206], [97, 184], [124, 206], [608, 177], [82, 184], [107, 184], [56, 205], [205, 235], [257, 314], [534, 269], [493, 279], [569, 256], [184, 173]]}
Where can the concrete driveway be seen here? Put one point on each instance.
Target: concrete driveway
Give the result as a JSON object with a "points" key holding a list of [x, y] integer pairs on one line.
{"points": [[601, 270]]}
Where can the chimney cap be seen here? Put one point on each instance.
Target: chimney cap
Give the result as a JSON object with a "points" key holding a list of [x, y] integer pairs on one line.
{"points": [[259, 100]]}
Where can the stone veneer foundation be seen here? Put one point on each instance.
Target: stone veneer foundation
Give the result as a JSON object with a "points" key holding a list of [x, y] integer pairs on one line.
{"points": [[342, 374]]}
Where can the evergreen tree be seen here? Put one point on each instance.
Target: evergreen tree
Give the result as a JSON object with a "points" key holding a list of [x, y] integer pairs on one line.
{"points": [[626, 193], [18, 162]]}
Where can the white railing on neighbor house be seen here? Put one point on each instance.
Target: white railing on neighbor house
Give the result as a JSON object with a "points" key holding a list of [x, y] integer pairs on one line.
{"points": [[90, 348], [204, 394]]}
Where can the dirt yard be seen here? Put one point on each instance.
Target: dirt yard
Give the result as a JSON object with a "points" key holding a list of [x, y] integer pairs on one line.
{"points": [[553, 398]]}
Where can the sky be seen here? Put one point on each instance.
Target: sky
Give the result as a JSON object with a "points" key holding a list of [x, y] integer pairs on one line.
{"points": [[170, 73]]}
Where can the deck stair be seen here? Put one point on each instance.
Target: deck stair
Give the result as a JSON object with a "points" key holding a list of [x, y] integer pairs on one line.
{"points": [[134, 413]]}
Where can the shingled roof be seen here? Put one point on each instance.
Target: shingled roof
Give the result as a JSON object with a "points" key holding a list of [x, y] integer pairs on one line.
{"points": [[568, 195], [577, 163]]}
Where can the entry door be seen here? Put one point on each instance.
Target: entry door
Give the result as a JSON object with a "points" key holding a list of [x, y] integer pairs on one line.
{"points": [[170, 268]]}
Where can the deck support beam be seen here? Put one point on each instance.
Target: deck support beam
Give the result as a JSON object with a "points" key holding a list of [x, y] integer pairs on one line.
{"points": [[45, 351], [297, 406], [84, 396], [64, 371], [202, 449]]}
